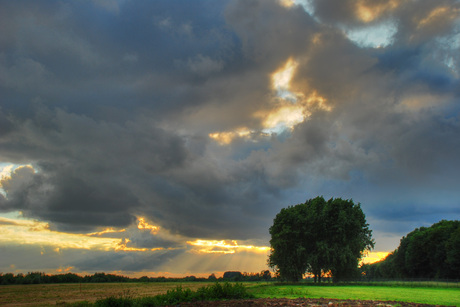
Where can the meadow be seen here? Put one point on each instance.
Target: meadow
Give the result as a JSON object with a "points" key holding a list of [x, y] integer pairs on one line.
{"points": [[56, 294], [423, 295]]}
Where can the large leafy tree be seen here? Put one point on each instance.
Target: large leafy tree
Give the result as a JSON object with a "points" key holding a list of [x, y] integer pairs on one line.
{"points": [[319, 236]]}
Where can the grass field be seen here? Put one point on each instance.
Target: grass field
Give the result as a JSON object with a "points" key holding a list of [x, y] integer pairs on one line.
{"points": [[52, 294], [424, 295]]}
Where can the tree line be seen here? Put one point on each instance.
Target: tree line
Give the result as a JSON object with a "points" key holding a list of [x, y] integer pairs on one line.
{"points": [[42, 278], [426, 252]]}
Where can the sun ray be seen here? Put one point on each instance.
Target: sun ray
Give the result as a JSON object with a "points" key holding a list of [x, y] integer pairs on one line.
{"points": [[225, 247]]}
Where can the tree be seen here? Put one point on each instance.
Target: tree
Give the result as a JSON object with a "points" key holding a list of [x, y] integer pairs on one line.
{"points": [[233, 275], [319, 237], [426, 252], [288, 252]]}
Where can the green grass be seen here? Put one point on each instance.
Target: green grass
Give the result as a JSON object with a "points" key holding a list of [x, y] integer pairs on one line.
{"points": [[422, 295]]}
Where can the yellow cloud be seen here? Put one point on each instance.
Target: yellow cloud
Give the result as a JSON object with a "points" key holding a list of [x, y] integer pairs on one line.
{"points": [[122, 246], [287, 115], [288, 108], [20, 171], [368, 11], [224, 247], [105, 231], [281, 78], [142, 224], [32, 232], [18, 231], [442, 14], [286, 3], [225, 138]]}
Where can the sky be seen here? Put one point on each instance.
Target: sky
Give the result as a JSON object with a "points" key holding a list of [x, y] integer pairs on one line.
{"points": [[161, 138]]}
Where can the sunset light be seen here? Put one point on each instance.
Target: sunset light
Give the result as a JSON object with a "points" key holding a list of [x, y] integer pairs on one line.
{"points": [[20, 231], [281, 79], [225, 247], [142, 224]]}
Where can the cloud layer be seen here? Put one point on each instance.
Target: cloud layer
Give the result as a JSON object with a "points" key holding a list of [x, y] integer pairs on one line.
{"points": [[174, 111]]}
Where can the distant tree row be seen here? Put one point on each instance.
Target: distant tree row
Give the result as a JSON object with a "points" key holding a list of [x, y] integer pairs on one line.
{"points": [[42, 278], [432, 253]]}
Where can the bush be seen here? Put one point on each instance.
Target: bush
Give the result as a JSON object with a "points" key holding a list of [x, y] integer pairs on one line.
{"points": [[115, 302], [179, 295]]}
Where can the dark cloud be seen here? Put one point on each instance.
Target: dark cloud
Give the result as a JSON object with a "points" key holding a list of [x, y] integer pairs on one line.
{"points": [[113, 106]]}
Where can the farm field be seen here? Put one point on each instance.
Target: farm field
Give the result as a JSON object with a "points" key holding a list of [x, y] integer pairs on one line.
{"points": [[53, 294]]}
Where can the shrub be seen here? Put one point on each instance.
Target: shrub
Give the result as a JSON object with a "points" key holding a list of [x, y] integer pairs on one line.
{"points": [[179, 295]]}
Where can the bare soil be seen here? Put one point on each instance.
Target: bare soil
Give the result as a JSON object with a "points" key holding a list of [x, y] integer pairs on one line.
{"points": [[309, 302]]}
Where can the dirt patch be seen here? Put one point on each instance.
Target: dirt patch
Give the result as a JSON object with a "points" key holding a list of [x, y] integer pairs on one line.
{"points": [[310, 302]]}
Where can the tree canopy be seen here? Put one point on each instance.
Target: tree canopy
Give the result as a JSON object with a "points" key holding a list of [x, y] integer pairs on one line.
{"points": [[319, 236], [426, 252]]}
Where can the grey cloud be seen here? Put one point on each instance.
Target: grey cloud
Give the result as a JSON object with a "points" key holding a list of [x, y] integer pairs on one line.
{"points": [[134, 262], [269, 32], [119, 127], [17, 257]]}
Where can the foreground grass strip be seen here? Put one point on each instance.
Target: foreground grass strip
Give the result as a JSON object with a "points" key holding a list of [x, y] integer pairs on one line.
{"points": [[428, 295], [178, 295]]}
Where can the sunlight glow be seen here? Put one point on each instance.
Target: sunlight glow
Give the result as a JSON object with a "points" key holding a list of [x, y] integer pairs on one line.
{"points": [[142, 224], [439, 13], [225, 247], [368, 11], [372, 257], [305, 4], [122, 246], [225, 138], [287, 108], [18, 231], [6, 170], [31, 232], [286, 3], [281, 79], [105, 231], [284, 116], [291, 107]]}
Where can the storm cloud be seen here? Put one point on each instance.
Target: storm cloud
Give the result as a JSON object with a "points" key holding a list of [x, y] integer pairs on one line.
{"points": [[172, 110]]}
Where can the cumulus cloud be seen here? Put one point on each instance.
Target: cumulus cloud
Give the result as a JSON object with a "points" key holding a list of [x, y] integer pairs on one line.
{"points": [[173, 112]]}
